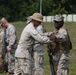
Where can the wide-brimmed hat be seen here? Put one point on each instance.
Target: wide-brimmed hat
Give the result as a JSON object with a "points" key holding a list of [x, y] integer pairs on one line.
{"points": [[28, 20], [58, 18], [37, 17], [1, 21]]}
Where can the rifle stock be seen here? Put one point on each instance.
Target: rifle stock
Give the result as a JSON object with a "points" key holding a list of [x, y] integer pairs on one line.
{"points": [[4, 48], [51, 63]]}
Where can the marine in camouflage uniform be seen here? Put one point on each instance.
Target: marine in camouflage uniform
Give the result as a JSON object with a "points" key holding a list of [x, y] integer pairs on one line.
{"points": [[10, 40], [24, 52], [2, 61], [62, 47], [39, 54]]}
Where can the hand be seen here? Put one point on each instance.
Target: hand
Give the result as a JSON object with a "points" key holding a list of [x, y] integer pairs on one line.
{"points": [[52, 37], [8, 49]]}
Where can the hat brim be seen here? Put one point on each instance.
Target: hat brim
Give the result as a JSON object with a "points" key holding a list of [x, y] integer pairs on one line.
{"points": [[0, 24], [59, 19], [36, 19], [28, 21]]}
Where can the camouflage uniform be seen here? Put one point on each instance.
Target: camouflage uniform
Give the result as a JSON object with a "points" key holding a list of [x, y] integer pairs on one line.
{"points": [[1, 38], [2, 61], [24, 52], [39, 54], [11, 41], [2, 64], [61, 55], [9, 44]]}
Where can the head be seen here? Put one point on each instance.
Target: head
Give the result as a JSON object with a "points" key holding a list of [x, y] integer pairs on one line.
{"points": [[58, 21], [36, 19], [4, 22]]}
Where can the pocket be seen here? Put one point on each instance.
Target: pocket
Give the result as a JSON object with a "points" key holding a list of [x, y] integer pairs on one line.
{"points": [[27, 67], [41, 59]]}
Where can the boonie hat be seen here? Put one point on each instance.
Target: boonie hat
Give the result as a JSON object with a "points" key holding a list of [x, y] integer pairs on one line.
{"points": [[3, 19], [58, 18], [28, 19], [37, 17]]}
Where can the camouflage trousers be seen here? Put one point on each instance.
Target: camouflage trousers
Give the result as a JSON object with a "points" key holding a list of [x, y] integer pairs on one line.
{"points": [[2, 64], [61, 63], [10, 59], [23, 66], [38, 64]]}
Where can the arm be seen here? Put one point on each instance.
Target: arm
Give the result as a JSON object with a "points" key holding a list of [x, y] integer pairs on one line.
{"points": [[38, 37], [1, 35], [41, 31], [12, 38]]}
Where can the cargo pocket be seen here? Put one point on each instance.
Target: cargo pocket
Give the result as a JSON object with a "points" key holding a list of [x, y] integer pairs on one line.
{"points": [[41, 59], [27, 67]]}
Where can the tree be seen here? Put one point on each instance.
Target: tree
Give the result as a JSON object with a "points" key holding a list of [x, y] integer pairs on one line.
{"points": [[15, 10]]}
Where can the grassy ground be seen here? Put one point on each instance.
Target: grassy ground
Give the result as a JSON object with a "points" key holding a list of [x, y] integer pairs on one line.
{"points": [[49, 26]]}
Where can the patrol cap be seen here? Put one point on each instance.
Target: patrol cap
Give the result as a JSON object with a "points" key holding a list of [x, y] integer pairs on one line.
{"points": [[58, 18], [37, 17], [28, 19], [2, 20]]}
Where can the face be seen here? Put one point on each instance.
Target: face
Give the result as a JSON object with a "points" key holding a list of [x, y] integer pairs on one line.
{"points": [[36, 23], [58, 24], [4, 24]]}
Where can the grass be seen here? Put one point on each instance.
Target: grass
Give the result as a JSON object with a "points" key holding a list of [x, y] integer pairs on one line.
{"points": [[71, 26]]}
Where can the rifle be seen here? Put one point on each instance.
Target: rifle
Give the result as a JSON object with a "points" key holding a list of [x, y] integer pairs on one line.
{"points": [[4, 47], [51, 62]]}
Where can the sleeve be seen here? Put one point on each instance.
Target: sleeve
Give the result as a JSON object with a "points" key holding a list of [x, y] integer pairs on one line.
{"points": [[1, 35], [62, 34], [48, 33], [40, 30], [12, 36], [38, 37]]}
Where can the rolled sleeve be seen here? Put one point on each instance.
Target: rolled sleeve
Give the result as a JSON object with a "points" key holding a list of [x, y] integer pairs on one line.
{"points": [[38, 37]]}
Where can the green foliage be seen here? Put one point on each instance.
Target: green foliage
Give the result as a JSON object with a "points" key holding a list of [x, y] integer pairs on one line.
{"points": [[16, 10]]}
